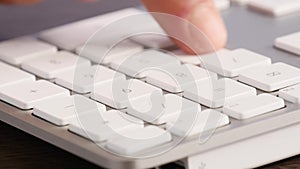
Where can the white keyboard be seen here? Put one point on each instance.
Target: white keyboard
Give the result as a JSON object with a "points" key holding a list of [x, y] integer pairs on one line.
{"points": [[140, 101]]}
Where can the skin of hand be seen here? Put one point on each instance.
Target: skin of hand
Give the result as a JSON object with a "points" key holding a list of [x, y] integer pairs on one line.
{"points": [[202, 14]]}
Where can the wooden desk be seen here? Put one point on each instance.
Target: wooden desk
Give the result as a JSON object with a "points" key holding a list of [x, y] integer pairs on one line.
{"points": [[19, 150]]}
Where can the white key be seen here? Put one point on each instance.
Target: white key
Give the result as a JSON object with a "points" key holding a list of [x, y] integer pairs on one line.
{"points": [[102, 54], [230, 64], [276, 7], [73, 35], [62, 111], [170, 111], [138, 64], [101, 126], [11, 75], [138, 140], [15, 51], [194, 59], [291, 94], [272, 77], [85, 78], [204, 121], [216, 93], [174, 78], [154, 41], [222, 4], [290, 43], [50, 66], [119, 93], [253, 106], [27, 95]]}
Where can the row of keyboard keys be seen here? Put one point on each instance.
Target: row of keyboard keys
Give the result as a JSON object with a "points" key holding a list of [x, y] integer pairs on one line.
{"points": [[50, 66], [16, 51]]}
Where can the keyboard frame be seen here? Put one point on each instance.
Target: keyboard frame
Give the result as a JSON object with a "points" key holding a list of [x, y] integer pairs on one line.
{"points": [[236, 131]]}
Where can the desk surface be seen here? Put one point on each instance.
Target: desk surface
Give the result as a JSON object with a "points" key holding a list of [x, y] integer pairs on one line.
{"points": [[20, 150]]}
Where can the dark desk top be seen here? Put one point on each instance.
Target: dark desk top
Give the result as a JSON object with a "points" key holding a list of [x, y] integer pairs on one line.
{"points": [[19, 150]]}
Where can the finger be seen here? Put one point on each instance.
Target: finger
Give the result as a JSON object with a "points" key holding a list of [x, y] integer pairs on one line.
{"points": [[18, 1], [200, 13]]}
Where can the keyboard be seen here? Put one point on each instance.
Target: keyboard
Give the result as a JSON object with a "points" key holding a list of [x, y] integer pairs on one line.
{"points": [[143, 103]]}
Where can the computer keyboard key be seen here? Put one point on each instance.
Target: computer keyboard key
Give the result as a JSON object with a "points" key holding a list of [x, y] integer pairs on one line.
{"points": [[291, 94], [204, 121], [252, 106], [290, 43], [71, 36], [215, 93], [276, 7], [120, 93], [84, 79], [102, 54], [136, 140], [231, 63], [16, 51], [154, 40], [174, 78], [222, 4], [27, 95], [48, 67], [170, 110], [11, 75], [63, 110], [138, 64], [272, 77], [102, 126]]}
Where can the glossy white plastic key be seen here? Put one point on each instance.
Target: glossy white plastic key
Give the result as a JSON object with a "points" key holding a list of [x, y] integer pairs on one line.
{"points": [[172, 107], [73, 35], [136, 140], [63, 110], [16, 51], [84, 79], [154, 40], [272, 77], [222, 4], [102, 53], [120, 93], [291, 94], [138, 65], [253, 106], [230, 64], [206, 120], [11, 75], [27, 95], [174, 78], [102, 126], [215, 93], [50, 66], [290, 43], [276, 7]]}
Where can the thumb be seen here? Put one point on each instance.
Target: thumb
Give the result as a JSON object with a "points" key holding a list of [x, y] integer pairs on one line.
{"points": [[200, 13]]}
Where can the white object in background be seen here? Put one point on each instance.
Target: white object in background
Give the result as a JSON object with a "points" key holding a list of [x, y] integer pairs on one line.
{"points": [[276, 7], [174, 78], [290, 43], [138, 64], [206, 120], [140, 139], [253, 106], [119, 94], [272, 77], [27, 95], [103, 126], [50, 66], [102, 54], [84, 79], [222, 4], [291, 94], [241, 2], [231, 64], [11, 75], [63, 110], [17, 50], [216, 93], [173, 107]]}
